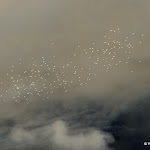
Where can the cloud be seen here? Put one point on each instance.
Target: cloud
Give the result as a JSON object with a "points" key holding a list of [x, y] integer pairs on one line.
{"points": [[21, 136], [60, 137], [27, 30], [93, 140]]}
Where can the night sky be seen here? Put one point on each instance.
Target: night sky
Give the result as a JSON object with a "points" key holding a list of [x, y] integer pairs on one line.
{"points": [[75, 74]]}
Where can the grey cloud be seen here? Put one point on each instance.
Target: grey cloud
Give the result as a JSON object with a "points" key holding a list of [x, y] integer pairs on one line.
{"points": [[59, 136]]}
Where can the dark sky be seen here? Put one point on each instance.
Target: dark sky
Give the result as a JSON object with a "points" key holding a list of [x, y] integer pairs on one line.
{"points": [[111, 111]]}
